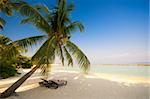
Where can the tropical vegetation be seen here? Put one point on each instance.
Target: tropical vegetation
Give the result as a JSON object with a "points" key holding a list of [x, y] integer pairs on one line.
{"points": [[7, 70], [22, 62], [10, 55]]}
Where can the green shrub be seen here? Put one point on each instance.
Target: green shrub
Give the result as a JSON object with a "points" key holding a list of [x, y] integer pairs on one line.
{"points": [[26, 65], [23, 62], [7, 70], [4, 75]]}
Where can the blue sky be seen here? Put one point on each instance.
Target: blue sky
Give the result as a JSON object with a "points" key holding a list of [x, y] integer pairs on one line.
{"points": [[116, 31]]}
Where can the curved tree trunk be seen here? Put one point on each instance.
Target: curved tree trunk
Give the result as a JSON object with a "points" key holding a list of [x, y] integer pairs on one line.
{"points": [[17, 84]]}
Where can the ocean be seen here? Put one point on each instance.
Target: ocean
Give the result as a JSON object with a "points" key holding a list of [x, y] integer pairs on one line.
{"points": [[132, 71]]}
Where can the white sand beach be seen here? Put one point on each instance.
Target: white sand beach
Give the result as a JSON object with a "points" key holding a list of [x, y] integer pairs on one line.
{"points": [[81, 86]]}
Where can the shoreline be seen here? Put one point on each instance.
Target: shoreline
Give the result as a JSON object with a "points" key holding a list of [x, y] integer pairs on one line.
{"points": [[112, 77]]}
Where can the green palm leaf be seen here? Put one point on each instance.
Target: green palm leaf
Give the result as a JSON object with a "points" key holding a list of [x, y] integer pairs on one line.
{"points": [[25, 43], [34, 16], [11, 51], [7, 48], [70, 7], [7, 9], [46, 50], [42, 7], [45, 56], [79, 56], [73, 26], [2, 22], [4, 40], [60, 53], [68, 57]]}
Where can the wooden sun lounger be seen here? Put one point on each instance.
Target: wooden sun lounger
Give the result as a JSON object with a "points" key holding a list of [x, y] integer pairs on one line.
{"points": [[54, 84]]}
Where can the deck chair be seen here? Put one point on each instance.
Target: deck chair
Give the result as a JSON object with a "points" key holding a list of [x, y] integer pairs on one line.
{"points": [[54, 84]]}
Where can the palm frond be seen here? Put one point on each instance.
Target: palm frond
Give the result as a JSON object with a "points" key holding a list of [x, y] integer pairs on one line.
{"points": [[43, 8], [45, 56], [2, 22], [34, 16], [68, 56], [8, 50], [25, 43], [27, 20], [11, 51], [46, 50], [45, 68], [70, 7], [73, 26], [60, 53], [4, 40], [7, 10], [79, 56]]}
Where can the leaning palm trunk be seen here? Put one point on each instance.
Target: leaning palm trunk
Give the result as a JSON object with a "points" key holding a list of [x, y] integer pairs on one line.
{"points": [[17, 84]]}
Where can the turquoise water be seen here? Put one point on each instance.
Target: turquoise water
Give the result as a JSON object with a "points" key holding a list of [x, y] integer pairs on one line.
{"points": [[135, 71]]}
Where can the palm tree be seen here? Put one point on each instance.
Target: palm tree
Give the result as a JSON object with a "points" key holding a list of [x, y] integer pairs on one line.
{"points": [[57, 26], [7, 7]]}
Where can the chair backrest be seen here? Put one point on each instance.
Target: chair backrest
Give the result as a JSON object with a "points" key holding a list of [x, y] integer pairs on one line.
{"points": [[51, 81], [44, 80]]}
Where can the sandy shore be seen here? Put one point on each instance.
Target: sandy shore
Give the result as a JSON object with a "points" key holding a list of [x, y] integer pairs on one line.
{"points": [[81, 86]]}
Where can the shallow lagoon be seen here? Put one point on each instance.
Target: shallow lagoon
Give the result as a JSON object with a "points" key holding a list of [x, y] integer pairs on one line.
{"points": [[133, 71]]}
